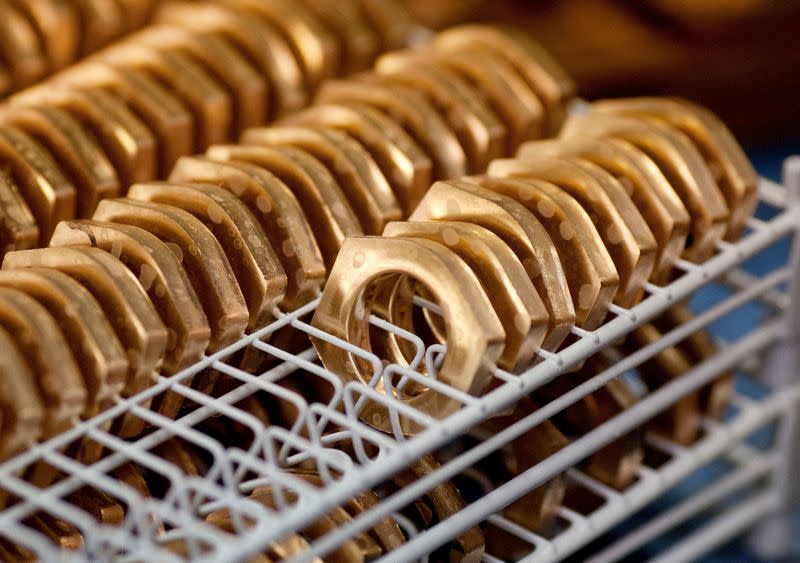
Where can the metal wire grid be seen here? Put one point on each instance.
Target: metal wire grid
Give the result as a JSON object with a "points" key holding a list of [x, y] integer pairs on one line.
{"points": [[178, 514]]}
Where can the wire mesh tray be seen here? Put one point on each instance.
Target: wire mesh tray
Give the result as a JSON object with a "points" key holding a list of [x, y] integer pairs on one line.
{"points": [[325, 428]]}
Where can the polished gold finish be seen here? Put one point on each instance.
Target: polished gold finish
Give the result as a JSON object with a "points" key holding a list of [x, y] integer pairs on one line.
{"points": [[102, 360], [680, 162], [650, 191], [403, 163], [465, 200], [278, 212], [359, 40], [358, 175], [50, 196], [126, 140], [726, 160], [19, 46], [77, 153], [39, 339], [103, 20], [98, 505], [58, 26], [514, 298], [474, 333], [200, 255], [258, 271], [321, 197], [544, 76], [21, 407], [247, 88], [627, 238], [477, 127], [392, 20], [18, 228], [409, 109]]}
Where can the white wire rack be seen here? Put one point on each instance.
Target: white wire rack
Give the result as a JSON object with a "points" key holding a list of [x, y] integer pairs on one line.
{"points": [[241, 451]]}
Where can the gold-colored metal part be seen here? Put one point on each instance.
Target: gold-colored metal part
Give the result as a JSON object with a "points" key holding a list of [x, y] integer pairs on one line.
{"points": [[18, 228], [477, 127], [392, 20], [278, 212], [60, 532], [17, 553], [50, 196], [200, 255], [475, 336], [124, 302], [592, 289], [99, 505], [514, 298], [627, 238], [102, 360], [445, 500], [679, 161], [102, 21], [208, 103], [164, 280], [650, 191], [58, 26], [412, 111], [725, 158], [402, 162], [328, 211], [19, 46], [543, 75], [465, 200], [358, 39], [355, 170], [258, 271], [22, 411], [126, 140], [40, 341], [78, 154], [164, 114], [247, 88], [681, 422], [699, 347]]}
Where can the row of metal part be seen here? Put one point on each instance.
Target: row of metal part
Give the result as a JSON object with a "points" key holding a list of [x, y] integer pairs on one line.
{"points": [[201, 74]]}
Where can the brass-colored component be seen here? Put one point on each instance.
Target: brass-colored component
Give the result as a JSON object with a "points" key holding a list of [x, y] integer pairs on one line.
{"points": [[18, 228], [477, 127], [39, 339], [358, 175], [650, 191], [164, 280], [403, 163], [124, 302], [247, 88], [16, 552], [328, 210], [627, 238], [102, 21], [60, 532], [445, 500], [201, 256], [126, 140], [393, 22], [167, 118], [544, 76], [208, 103], [475, 336], [58, 26], [22, 412], [592, 288], [313, 45], [359, 41], [411, 110], [99, 505], [726, 160], [89, 336], [49, 195], [681, 422], [258, 41], [515, 300], [78, 154], [465, 200], [699, 347], [258, 271], [174, 452], [19, 46], [680, 162], [278, 212]]}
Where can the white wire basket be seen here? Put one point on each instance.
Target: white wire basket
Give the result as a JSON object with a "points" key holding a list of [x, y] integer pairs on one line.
{"points": [[240, 451]]}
